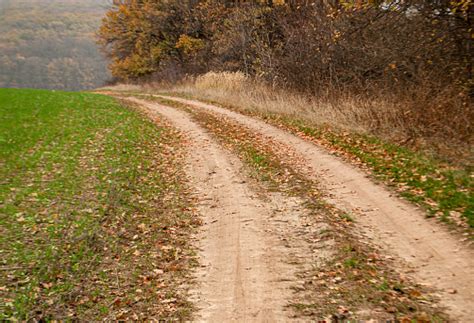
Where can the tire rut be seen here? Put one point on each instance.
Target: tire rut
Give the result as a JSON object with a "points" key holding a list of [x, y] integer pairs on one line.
{"points": [[429, 253], [245, 273]]}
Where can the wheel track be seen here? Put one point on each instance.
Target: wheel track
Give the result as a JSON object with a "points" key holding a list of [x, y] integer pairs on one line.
{"points": [[429, 252], [245, 275]]}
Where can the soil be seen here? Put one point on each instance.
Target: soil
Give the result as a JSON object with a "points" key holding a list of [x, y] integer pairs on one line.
{"points": [[245, 263]]}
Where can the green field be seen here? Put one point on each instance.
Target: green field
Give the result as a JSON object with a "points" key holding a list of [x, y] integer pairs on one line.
{"points": [[89, 189]]}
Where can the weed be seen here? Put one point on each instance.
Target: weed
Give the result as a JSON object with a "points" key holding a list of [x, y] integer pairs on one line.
{"points": [[347, 217], [384, 286], [351, 263]]}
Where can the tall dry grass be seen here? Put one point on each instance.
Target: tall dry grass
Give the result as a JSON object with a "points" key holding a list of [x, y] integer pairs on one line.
{"points": [[122, 87], [400, 118], [390, 116]]}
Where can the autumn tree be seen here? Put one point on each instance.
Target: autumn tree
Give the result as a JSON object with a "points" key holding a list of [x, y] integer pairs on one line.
{"points": [[299, 43]]}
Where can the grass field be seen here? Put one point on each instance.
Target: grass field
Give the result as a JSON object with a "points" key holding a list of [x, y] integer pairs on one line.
{"points": [[94, 221]]}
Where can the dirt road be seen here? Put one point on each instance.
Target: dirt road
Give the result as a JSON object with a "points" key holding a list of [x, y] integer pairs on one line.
{"points": [[433, 255], [244, 269], [245, 263]]}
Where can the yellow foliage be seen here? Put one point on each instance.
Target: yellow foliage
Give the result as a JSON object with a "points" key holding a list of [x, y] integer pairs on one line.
{"points": [[189, 45], [131, 67]]}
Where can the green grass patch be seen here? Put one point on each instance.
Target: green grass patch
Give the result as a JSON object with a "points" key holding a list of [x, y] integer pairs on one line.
{"points": [[444, 190], [93, 215]]}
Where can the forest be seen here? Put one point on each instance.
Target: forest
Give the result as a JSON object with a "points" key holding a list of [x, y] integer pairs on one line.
{"points": [[338, 41], [51, 44], [413, 55]]}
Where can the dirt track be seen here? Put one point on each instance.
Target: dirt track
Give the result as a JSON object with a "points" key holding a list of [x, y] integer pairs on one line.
{"points": [[245, 270], [429, 252]]}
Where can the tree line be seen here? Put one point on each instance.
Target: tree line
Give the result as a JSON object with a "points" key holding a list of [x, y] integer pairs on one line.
{"points": [[342, 41], [405, 47]]}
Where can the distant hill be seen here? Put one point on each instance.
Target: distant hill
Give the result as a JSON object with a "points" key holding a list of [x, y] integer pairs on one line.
{"points": [[51, 44]]}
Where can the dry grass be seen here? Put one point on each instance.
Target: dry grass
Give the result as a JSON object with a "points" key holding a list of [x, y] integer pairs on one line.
{"points": [[406, 119], [123, 87], [238, 90]]}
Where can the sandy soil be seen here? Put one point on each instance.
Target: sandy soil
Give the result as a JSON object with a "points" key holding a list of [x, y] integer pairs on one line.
{"points": [[245, 270], [426, 250]]}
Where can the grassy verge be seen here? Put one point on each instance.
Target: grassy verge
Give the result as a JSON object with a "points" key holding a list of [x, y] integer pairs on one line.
{"points": [[355, 281], [94, 219], [444, 190]]}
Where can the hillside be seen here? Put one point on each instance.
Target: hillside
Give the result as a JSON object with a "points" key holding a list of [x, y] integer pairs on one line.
{"points": [[51, 44]]}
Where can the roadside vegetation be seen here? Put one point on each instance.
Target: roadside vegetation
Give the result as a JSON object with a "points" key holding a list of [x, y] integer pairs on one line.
{"points": [[94, 216], [402, 70], [444, 187]]}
